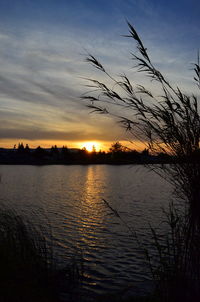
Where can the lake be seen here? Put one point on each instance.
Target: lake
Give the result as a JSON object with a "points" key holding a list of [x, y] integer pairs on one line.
{"points": [[66, 202]]}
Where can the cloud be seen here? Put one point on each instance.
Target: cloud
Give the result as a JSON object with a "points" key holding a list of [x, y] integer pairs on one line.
{"points": [[42, 66], [38, 134]]}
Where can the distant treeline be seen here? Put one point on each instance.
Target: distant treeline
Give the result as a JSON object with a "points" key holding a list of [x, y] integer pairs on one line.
{"points": [[117, 154]]}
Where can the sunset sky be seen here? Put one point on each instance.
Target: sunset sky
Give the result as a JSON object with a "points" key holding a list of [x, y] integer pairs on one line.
{"points": [[42, 62]]}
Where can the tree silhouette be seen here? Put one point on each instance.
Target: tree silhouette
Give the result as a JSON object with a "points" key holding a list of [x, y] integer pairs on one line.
{"points": [[27, 149], [116, 148], [40, 153], [20, 147]]}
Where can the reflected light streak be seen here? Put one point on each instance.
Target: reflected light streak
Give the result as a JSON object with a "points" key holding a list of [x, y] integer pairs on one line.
{"points": [[92, 211]]}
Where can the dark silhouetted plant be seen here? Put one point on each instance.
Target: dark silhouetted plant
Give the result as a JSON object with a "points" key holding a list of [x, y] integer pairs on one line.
{"points": [[169, 124], [27, 268]]}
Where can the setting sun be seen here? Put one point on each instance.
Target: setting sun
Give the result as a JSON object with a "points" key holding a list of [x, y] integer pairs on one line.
{"points": [[89, 146]]}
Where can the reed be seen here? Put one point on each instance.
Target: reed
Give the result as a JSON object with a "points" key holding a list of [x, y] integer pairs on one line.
{"points": [[26, 268], [175, 266], [169, 124], [173, 260], [28, 271]]}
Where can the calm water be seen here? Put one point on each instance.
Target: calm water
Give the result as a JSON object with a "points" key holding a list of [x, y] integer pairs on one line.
{"points": [[67, 202]]}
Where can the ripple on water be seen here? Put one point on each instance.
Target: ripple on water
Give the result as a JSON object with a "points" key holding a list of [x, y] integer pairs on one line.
{"points": [[67, 200]]}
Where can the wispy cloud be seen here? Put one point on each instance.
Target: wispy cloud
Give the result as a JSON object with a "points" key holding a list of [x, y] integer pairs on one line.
{"points": [[42, 63]]}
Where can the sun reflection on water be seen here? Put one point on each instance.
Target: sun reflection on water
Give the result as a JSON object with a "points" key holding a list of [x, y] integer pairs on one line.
{"points": [[91, 218]]}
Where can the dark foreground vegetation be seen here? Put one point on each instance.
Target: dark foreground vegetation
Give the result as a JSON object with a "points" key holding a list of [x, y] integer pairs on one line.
{"points": [[28, 271], [167, 122]]}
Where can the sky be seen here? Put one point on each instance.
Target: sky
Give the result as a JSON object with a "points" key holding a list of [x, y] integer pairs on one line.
{"points": [[43, 45]]}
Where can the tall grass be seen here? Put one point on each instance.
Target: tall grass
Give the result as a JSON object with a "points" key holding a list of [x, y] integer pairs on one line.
{"points": [[176, 266], [170, 124], [26, 269], [173, 260]]}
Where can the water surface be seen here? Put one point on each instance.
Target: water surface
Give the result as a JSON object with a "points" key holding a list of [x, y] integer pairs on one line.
{"points": [[67, 201]]}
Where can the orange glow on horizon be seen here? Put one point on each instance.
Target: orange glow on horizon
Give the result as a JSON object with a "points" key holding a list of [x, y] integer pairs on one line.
{"points": [[99, 145], [90, 146]]}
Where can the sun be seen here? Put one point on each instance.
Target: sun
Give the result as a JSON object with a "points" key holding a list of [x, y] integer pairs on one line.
{"points": [[90, 146]]}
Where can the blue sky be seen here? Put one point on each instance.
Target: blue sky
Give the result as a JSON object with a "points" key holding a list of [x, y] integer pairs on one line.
{"points": [[42, 47]]}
